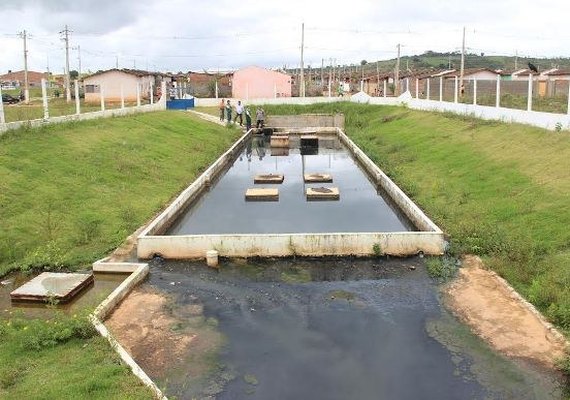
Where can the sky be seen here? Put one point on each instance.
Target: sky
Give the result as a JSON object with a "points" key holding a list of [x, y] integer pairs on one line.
{"points": [[178, 35]]}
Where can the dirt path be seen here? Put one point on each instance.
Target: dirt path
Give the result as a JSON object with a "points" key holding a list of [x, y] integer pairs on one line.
{"points": [[500, 316], [159, 337]]}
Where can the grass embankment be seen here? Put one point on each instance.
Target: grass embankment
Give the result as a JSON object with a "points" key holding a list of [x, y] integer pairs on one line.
{"points": [[69, 194], [498, 190], [63, 358]]}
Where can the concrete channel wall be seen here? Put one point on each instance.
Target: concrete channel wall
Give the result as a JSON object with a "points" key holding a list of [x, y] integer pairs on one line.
{"points": [[138, 272], [429, 240], [306, 121]]}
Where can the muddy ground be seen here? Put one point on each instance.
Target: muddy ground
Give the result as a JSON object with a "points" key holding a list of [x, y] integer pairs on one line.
{"points": [[483, 302]]}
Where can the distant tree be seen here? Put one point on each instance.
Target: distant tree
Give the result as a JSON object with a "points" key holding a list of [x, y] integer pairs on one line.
{"points": [[73, 74], [363, 62]]}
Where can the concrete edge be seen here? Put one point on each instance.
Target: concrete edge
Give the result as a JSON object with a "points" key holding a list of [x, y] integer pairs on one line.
{"points": [[126, 357], [283, 245], [409, 207], [139, 271], [194, 188]]}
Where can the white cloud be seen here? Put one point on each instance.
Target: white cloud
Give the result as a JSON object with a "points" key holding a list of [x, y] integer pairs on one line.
{"points": [[181, 35]]}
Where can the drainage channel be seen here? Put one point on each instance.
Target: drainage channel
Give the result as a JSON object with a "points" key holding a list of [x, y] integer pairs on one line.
{"points": [[332, 328]]}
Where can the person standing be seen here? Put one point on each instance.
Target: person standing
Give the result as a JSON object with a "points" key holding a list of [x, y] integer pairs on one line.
{"points": [[229, 111], [222, 107], [239, 112], [247, 119], [260, 117]]}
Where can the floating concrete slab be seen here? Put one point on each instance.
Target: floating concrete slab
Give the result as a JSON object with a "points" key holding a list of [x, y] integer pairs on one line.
{"points": [[279, 151], [52, 285], [268, 178], [317, 178], [279, 141], [309, 141], [265, 194], [323, 193]]}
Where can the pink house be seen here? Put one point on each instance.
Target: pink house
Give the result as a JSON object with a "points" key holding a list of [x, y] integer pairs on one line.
{"points": [[255, 83]]}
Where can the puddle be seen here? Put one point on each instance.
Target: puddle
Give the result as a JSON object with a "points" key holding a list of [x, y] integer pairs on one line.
{"points": [[102, 286], [224, 210], [333, 329]]}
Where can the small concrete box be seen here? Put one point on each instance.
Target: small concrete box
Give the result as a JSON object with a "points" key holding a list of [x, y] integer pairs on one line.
{"points": [[323, 193], [281, 141], [52, 285], [309, 141], [268, 178], [265, 194], [317, 178]]}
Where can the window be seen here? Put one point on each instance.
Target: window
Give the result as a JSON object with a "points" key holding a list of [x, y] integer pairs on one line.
{"points": [[91, 88]]}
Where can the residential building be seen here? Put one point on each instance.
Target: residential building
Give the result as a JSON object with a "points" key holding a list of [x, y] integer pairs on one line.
{"points": [[115, 81], [255, 82]]}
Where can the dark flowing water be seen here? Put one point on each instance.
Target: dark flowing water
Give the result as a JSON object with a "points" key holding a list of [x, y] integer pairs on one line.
{"points": [[338, 329], [224, 209]]}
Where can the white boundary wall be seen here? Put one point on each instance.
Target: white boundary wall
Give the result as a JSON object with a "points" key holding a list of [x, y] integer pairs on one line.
{"points": [[158, 106], [535, 118]]}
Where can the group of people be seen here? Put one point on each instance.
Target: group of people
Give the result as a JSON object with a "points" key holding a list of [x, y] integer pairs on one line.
{"points": [[226, 111]]}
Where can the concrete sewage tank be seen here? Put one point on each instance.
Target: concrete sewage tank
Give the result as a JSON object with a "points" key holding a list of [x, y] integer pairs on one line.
{"points": [[358, 209]]}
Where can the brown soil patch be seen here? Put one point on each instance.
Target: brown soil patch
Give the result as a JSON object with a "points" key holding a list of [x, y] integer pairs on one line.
{"points": [[147, 330], [482, 300]]}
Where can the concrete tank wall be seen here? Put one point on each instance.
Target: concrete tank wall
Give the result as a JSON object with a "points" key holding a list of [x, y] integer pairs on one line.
{"points": [[306, 121]]}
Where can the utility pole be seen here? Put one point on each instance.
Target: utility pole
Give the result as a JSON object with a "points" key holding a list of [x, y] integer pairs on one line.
{"points": [[65, 38], [449, 62], [378, 77], [322, 68], [397, 74], [461, 88], [79, 63], [516, 60], [116, 61], [24, 36], [330, 77], [302, 80]]}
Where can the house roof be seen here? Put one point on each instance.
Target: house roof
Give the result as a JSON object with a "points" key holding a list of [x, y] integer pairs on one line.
{"points": [[524, 71], [557, 72], [136, 72]]}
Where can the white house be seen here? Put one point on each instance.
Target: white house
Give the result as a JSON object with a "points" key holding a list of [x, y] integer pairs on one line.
{"points": [[114, 81]]}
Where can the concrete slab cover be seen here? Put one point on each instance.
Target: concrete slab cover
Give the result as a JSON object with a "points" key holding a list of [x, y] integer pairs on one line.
{"points": [[264, 194], [269, 178], [61, 286], [323, 193], [310, 140], [317, 178], [279, 141]]}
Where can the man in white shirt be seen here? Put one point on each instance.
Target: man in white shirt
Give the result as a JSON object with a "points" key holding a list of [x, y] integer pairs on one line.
{"points": [[239, 113]]}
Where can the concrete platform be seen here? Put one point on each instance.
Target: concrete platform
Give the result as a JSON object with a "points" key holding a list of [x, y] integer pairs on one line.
{"points": [[265, 194], [317, 178], [281, 141], [309, 141], [268, 178], [279, 151], [52, 285], [323, 193]]}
